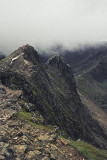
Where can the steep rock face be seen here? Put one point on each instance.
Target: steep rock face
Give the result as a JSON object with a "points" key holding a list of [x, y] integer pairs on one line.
{"points": [[59, 65], [52, 89], [64, 86]]}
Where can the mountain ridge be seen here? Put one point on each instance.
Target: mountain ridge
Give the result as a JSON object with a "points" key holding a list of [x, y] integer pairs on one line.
{"points": [[52, 90]]}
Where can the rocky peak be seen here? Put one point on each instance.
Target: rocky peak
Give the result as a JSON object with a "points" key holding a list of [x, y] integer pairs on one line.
{"points": [[54, 59], [21, 60], [30, 54], [58, 62]]}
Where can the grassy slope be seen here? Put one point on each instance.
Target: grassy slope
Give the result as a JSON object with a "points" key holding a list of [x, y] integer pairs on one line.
{"points": [[89, 151]]}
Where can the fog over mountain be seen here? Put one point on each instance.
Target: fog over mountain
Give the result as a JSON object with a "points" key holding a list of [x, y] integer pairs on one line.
{"points": [[43, 23]]}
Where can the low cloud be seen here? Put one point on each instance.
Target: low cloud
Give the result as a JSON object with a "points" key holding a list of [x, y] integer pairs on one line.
{"points": [[43, 23]]}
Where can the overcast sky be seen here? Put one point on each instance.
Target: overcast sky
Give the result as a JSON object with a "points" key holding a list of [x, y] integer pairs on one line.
{"points": [[47, 22]]}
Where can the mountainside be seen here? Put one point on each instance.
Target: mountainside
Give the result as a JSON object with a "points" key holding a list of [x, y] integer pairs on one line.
{"points": [[90, 68], [93, 82], [51, 89]]}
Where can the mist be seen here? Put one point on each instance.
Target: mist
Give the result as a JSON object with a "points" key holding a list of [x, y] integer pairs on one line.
{"points": [[44, 23]]}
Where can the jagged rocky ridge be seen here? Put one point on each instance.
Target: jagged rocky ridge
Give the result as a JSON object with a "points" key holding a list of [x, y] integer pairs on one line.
{"points": [[52, 90]]}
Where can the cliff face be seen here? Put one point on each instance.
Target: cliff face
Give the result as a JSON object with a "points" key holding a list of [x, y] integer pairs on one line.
{"points": [[52, 90]]}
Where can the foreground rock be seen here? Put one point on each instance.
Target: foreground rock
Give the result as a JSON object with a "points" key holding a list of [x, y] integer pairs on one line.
{"points": [[24, 142]]}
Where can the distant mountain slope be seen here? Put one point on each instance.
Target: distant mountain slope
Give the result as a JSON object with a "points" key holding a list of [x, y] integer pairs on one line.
{"points": [[51, 88], [79, 59], [83, 59], [96, 112], [93, 83], [89, 66]]}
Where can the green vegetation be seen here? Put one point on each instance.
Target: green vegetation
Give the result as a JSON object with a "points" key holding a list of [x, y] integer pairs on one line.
{"points": [[88, 150], [27, 116], [40, 118], [40, 126], [34, 92], [21, 102], [23, 115]]}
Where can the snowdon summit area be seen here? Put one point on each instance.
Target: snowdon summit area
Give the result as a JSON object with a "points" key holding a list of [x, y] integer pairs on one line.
{"points": [[53, 108]]}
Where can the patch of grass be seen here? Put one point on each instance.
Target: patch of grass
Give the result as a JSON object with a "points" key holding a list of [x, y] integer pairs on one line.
{"points": [[39, 117], [89, 151], [21, 101], [40, 126], [27, 116], [23, 115], [33, 89], [34, 92]]}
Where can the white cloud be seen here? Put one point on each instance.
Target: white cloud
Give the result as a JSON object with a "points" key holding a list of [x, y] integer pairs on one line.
{"points": [[44, 22]]}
